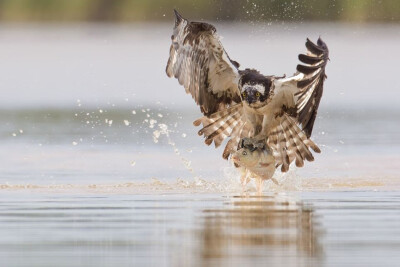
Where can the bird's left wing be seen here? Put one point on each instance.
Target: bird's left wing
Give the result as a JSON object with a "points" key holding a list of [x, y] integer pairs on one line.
{"points": [[301, 97], [289, 143], [306, 86], [199, 62]]}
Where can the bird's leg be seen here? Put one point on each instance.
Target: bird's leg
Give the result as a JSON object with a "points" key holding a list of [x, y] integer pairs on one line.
{"points": [[260, 185], [252, 143], [246, 142], [244, 179]]}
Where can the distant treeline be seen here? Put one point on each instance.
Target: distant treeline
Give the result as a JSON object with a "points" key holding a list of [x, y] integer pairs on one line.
{"points": [[237, 10]]}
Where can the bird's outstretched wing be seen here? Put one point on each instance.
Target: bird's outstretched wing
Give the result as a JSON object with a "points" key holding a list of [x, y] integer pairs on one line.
{"points": [[302, 93], [307, 84], [200, 63]]}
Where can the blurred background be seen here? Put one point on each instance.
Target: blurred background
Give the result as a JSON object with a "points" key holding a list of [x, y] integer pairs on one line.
{"points": [[84, 90], [256, 10]]}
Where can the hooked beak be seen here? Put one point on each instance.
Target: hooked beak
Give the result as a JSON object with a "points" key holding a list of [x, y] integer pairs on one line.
{"points": [[250, 95]]}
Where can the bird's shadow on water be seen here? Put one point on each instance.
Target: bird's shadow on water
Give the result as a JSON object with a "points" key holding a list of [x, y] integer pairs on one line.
{"points": [[268, 229]]}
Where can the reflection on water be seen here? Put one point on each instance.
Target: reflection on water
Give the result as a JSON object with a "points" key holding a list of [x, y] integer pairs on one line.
{"points": [[260, 230], [193, 229], [156, 230]]}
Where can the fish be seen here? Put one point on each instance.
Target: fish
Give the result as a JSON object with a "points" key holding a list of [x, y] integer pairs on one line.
{"points": [[255, 162]]}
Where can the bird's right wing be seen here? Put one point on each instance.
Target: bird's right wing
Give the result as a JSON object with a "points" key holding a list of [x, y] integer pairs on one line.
{"points": [[199, 62], [229, 123]]}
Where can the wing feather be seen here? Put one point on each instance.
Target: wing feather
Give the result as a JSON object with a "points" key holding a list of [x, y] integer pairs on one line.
{"points": [[289, 143], [304, 90], [311, 86], [200, 63], [228, 123]]}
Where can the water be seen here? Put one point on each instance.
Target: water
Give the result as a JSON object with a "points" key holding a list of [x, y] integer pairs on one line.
{"points": [[323, 229], [86, 180]]}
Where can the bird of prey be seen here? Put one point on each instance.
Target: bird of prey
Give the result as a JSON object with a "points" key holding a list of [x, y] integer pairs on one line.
{"points": [[243, 104]]}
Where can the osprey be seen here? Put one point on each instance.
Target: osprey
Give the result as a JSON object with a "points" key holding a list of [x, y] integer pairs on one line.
{"points": [[245, 105]]}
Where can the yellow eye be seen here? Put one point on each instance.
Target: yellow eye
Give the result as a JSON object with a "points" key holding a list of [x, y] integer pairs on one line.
{"points": [[258, 94], [244, 94]]}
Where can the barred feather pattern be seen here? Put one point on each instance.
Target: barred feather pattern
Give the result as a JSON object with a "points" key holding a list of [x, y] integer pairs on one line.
{"points": [[223, 124], [311, 85], [289, 143]]}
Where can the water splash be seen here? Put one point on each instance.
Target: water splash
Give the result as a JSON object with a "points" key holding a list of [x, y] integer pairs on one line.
{"points": [[163, 130], [200, 186]]}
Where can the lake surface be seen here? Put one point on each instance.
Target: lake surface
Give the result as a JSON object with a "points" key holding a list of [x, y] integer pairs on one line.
{"points": [[101, 166]]}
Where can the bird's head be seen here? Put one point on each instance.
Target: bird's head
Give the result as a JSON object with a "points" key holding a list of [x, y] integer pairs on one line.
{"points": [[255, 88]]}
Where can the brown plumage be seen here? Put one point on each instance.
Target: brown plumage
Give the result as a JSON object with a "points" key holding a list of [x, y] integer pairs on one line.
{"points": [[289, 143], [200, 63], [312, 85], [245, 103]]}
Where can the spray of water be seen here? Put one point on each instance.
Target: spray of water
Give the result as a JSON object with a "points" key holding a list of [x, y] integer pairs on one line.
{"points": [[163, 130]]}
